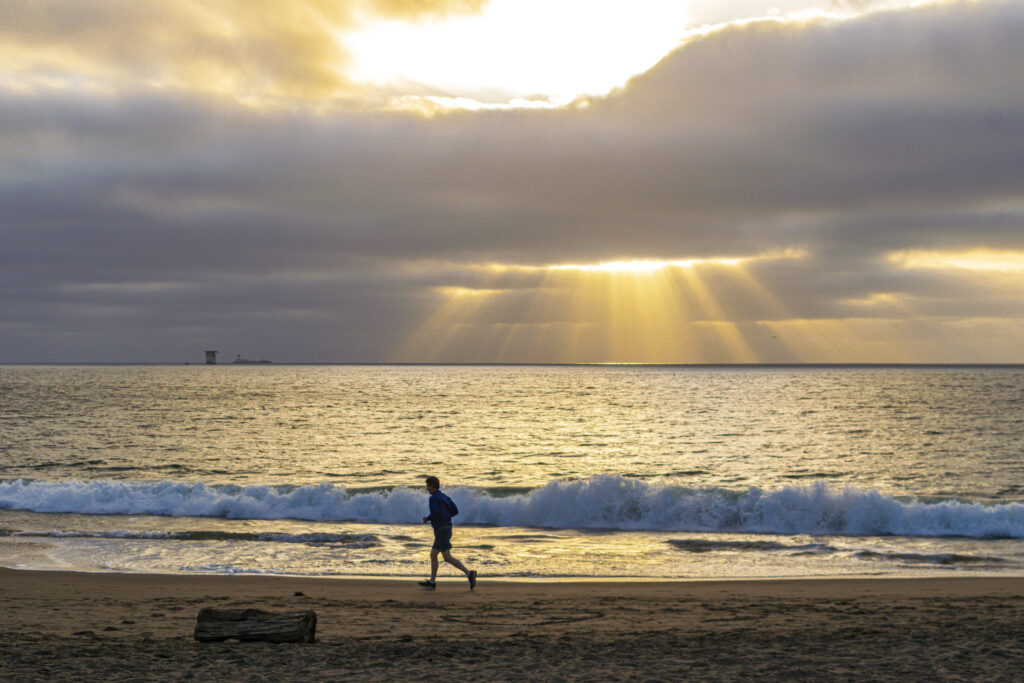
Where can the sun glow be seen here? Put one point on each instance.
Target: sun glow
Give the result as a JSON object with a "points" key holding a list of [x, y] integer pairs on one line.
{"points": [[535, 49], [694, 310], [644, 266], [973, 259], [645, 310]]}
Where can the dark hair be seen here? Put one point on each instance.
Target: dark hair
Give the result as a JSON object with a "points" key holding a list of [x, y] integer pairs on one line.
{"points": [[433, 482]]}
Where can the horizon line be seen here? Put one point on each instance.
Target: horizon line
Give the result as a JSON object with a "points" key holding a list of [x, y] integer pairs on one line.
{"points": [[852, 364]]}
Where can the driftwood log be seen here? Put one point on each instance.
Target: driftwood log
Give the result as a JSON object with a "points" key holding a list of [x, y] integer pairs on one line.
{"points": [[213, 625]]}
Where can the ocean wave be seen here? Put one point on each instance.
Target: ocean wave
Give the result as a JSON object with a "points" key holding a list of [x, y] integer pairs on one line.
{"points": [[943, 559], [214, 568], [699, 545], [603, 502], [347, 540]]}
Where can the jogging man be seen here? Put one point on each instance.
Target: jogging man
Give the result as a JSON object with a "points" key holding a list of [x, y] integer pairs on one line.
{"points": [[442, 509]]}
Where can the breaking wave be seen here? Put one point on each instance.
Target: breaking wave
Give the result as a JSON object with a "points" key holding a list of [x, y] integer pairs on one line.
{"points": [[604, 502], [699, 545], [944, 559], [347, 540]]}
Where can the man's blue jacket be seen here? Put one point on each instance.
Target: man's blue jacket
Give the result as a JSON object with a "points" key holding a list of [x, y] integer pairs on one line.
{"points": [[442, 509]]}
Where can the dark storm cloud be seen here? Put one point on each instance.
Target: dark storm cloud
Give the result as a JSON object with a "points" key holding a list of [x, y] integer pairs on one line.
{"points": [[151, 216]]}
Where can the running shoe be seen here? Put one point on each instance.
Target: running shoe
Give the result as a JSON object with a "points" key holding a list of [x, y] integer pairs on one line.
{"points": [[428, 584], [472, 579]]}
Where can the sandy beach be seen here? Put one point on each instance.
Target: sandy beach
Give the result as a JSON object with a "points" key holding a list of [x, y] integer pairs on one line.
{"points": [[78, 626]]}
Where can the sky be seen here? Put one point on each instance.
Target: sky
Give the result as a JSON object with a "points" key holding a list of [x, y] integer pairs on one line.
{"points": [[512, 181]]}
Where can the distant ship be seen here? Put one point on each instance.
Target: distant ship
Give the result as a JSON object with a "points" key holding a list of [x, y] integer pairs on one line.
{"points": [[245, 361]]}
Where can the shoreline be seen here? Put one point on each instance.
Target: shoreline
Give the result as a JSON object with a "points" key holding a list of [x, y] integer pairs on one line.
{"points": [[59, 625], [501, 579], [970, 584], [504, 586]]}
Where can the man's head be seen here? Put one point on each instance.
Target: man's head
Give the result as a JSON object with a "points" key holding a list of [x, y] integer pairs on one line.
{"points": [[433, 483]]}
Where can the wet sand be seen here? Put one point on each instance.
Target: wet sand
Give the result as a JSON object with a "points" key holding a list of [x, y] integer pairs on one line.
{"points": [[72, 626]]}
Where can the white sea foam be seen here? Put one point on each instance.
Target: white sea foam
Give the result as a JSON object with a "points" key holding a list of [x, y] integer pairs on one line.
{"points": [[604, 502], [214, 568]]}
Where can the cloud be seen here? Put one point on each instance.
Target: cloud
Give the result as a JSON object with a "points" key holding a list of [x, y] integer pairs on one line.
{"points": [[425, 9], [259, 51], [147, 213]]}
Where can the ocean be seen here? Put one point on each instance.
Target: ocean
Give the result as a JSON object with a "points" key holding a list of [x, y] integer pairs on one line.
{"points": [[560, 472]]}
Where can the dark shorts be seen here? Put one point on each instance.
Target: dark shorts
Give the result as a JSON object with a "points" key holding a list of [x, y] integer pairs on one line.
{"points": [[443, 538]]}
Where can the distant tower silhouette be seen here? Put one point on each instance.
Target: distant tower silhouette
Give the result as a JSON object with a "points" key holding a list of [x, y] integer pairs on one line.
{"points": [[211, 357]]}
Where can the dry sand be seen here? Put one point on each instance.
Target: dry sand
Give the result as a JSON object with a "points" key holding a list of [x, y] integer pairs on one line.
{"points": [[73, 626]]}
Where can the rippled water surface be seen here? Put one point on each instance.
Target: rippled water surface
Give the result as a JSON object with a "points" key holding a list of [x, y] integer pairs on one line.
{"points": [[646, 471], [925, 432]]}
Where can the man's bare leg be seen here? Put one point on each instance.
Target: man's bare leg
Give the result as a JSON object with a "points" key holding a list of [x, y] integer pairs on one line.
{"points": [[434, 563], [450, 560]]}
